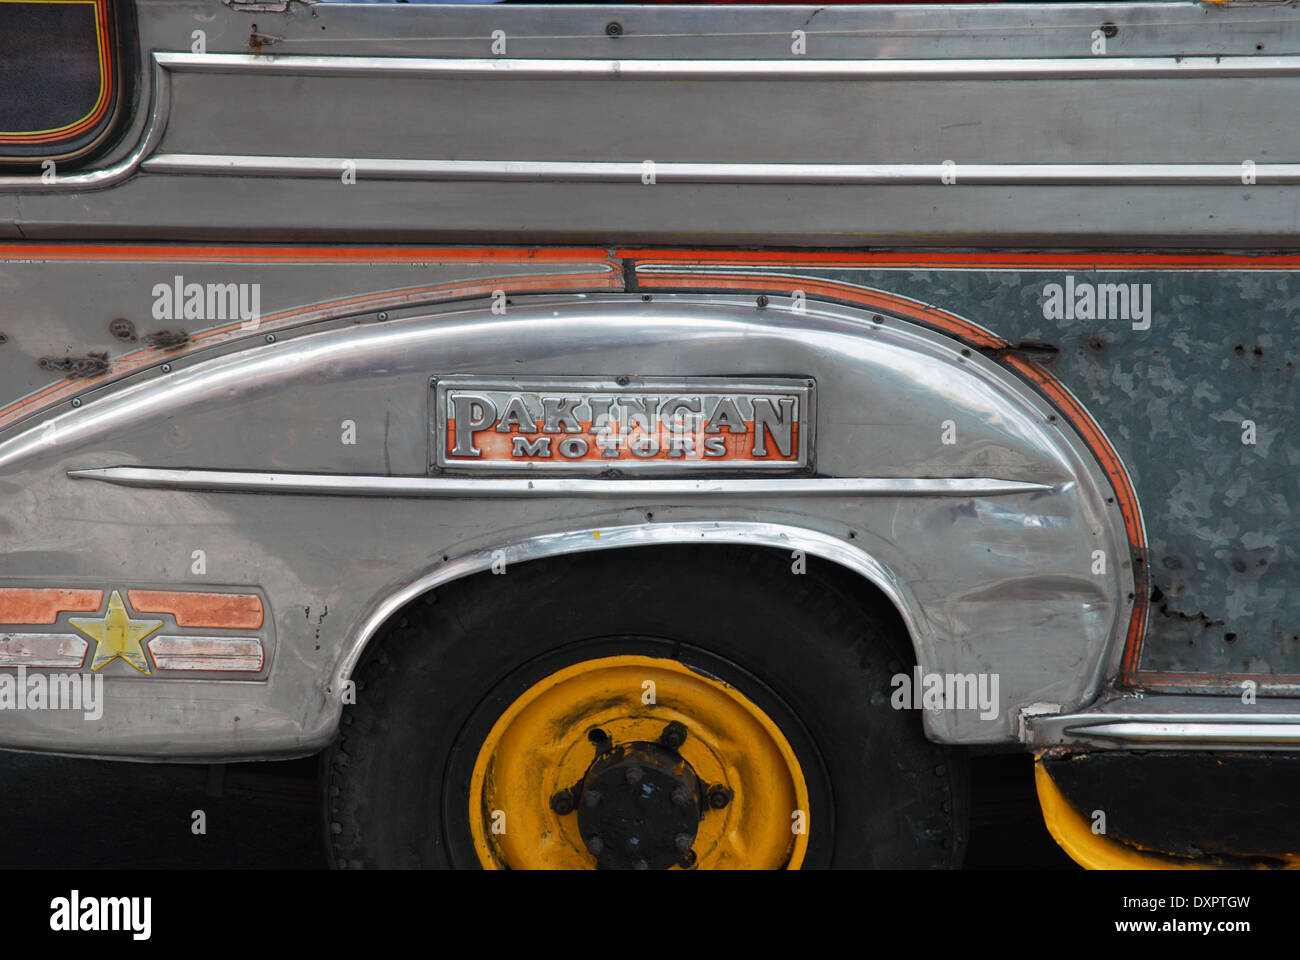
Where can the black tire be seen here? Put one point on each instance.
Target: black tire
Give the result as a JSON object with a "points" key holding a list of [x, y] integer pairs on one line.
{"points": [[815, 651]]}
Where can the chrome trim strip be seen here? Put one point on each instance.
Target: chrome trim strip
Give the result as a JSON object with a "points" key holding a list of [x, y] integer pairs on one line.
{"points": [[328, 484], [1044, 68], [779, 536], [159, 108], [1068, 68], [230, 654], [42, 650], [1207, 729], [595, 171]]}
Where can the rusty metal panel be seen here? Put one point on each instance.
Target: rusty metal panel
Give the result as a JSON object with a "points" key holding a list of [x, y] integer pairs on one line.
{"points": [[1189, 366]]}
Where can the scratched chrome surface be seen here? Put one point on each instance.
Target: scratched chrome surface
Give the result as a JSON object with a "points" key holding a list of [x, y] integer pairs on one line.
{"points": [[979, 578]]}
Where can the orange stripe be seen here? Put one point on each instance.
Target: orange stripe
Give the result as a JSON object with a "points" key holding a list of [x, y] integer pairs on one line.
{"points": [[219, 253], [988, 261], [24, 606], [232, 611], [1056, 392]]}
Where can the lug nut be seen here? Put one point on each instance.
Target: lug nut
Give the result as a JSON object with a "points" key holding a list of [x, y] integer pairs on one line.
{"points": [[633, 844], [719, 796], [562, 803], [641, 865], [682, 797], [683, 843], [634, 774], [595, 845], [674, 735], [590, 798]]}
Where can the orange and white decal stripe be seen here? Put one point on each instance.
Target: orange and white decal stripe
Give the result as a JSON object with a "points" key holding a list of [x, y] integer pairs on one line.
{"points": [[230, 611], [25, 607]]}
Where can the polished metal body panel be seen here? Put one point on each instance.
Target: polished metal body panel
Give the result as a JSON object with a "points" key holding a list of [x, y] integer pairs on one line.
{"points": [[1022, 510], [841, 126]]}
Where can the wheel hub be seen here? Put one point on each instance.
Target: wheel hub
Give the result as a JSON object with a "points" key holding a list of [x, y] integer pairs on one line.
{"points": [[582, 770], [639, 807]]}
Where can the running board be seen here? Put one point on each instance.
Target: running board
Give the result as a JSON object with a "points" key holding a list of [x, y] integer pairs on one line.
{"points": [[1183, 731]]}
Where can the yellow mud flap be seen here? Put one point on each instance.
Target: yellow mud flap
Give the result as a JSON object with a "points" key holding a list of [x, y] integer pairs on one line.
{"points": [[1074, 834]]}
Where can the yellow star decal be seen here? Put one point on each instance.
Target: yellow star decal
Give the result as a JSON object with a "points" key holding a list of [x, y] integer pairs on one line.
{"points": [[117, 635]]}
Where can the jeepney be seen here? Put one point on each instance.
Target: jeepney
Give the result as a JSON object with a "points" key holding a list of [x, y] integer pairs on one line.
{"points": [[661, 436]]}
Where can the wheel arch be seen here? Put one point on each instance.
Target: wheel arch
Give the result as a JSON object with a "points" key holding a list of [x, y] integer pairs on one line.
{"points": [[846, 556]]}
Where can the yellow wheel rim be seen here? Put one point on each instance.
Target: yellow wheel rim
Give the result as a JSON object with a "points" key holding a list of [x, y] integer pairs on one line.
{"points": [[541, 746]]}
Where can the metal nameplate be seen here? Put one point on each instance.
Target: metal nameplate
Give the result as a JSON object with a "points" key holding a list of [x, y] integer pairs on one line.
{"points": [[582, 425]]}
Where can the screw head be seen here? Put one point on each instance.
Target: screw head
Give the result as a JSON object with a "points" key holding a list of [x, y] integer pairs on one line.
{"points": [[719, 796]]}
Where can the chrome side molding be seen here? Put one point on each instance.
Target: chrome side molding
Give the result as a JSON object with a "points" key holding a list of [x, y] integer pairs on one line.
{"points": [[164, 64], [517, 68], [1223, 724], [1207, 730], [598, 171], [349, 485]]}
